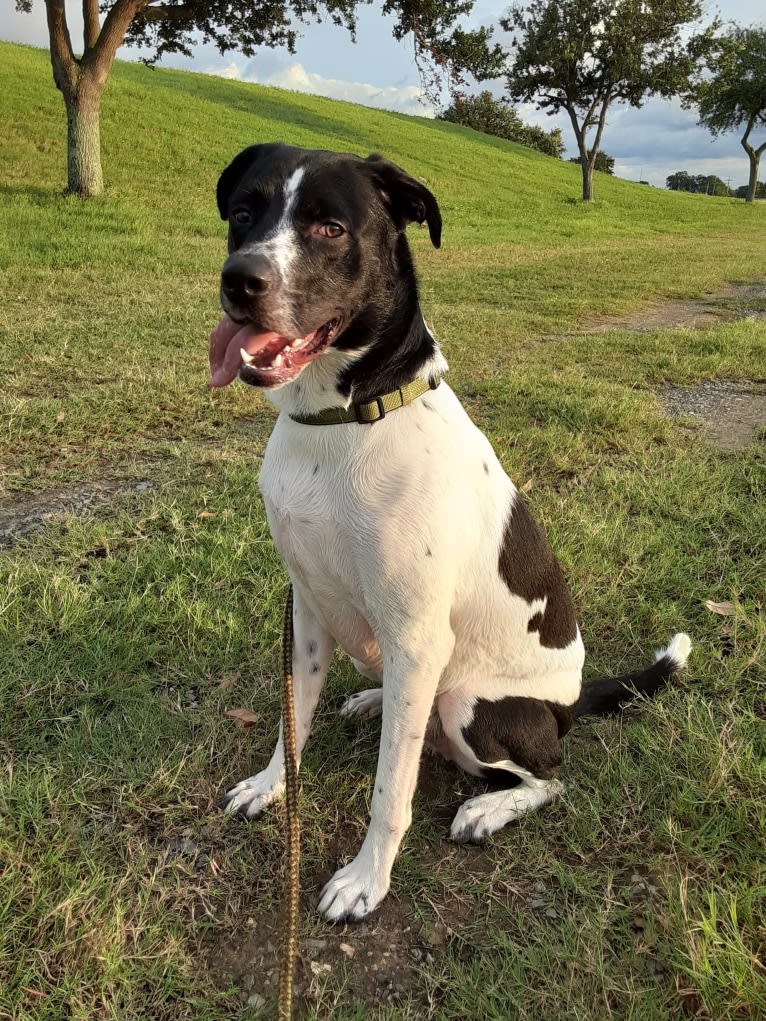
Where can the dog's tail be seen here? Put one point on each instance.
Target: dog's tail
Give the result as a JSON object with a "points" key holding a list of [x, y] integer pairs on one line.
{"points": [[610, 694]]}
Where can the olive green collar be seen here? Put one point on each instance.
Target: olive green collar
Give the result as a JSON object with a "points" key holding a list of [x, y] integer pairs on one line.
{"points": [[371, 411]]}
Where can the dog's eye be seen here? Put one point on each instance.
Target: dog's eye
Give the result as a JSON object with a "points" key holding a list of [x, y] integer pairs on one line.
{"points": [[241, 216], [331, 229]]}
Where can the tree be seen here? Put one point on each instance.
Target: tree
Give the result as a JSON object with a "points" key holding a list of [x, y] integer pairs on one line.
{"points": [[681, 181], [603, 163], [744, 189], [583, 55], [167, 25], [483, 112], [732, 94], [700, 184]]}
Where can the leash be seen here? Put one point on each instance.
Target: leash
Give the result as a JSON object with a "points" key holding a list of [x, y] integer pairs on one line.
{"points": [[289, 948]]}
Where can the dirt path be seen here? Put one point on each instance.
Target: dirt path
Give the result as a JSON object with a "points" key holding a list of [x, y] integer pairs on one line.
{"points": [[735, 301], [731, 413], [23, 513]]}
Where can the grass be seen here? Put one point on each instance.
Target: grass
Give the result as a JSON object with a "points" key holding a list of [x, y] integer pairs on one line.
{"points": [[125, 634]]}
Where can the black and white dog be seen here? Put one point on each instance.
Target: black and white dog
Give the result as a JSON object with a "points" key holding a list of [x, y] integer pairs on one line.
{"points": [[407, 544]]}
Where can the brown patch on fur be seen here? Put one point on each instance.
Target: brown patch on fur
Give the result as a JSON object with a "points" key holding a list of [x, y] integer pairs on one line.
{"points": [[530, 570]]}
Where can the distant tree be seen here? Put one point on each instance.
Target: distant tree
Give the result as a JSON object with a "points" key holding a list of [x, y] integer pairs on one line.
{"points": [[700, 184], [583, 55], [760, 190], [715, 186], [732, 92], [483, 112], [604, 162], [681, 181], [443, 51]]}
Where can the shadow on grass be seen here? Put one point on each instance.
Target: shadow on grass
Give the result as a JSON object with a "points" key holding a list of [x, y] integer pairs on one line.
{"points": [[40, 196]]}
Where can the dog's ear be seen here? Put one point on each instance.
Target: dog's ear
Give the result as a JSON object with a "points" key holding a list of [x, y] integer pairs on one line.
{"points": [[231, 177], [407, 200]]}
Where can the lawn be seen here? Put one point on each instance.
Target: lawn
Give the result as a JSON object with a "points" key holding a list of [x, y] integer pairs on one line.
{"points": [[129, 626]]}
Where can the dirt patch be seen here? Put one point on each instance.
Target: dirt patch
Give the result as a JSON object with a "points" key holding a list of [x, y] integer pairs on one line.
{"points": [[25, 513], [730, 412], [382, 959], [375, 961], [736, 301]]}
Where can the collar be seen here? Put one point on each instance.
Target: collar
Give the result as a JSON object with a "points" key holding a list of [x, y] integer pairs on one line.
{"points": [[371, 411]]}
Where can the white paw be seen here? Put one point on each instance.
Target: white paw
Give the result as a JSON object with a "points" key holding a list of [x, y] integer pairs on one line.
{"points": [[353, 892], [365, 703], [250, 797], [478, 818]]}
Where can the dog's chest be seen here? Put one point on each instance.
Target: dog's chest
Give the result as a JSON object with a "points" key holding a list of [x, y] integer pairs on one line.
{"points": [[310, 508]]}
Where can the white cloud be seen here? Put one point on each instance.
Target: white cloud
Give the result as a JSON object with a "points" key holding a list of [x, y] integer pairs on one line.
{"points": [[295, 77], [230, 70]]}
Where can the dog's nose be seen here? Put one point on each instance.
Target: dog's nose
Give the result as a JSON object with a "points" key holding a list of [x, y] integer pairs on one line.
{"points": [[244, 278]]}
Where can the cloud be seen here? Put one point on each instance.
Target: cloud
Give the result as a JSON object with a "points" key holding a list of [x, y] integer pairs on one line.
{"points": [[294, 76]]}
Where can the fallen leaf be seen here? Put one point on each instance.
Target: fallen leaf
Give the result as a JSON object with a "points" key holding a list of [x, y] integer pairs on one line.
{"points": [[207, 514], [60, 416], [229, 680], [347, 949], [725, 609], [527, 487], [243, 716]]}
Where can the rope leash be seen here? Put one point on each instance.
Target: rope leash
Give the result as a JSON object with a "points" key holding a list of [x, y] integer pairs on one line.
{"points": [[289, 948]]}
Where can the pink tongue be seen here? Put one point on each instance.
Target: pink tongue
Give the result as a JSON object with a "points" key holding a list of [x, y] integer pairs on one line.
{"points": [[225, 341]]}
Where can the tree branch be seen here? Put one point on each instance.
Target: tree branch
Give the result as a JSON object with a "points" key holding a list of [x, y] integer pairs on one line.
{"points": [[601, 122], [579, 132], [163, 12], [744, 140], [91, 23], [62, 54], [98, 60]]}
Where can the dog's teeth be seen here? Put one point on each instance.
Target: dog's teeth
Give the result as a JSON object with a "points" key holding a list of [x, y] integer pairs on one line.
{"points": [[278, 360], [246, 358]]}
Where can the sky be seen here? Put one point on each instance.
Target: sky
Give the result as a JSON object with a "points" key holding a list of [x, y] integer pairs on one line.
{"points": [[648, 144]]}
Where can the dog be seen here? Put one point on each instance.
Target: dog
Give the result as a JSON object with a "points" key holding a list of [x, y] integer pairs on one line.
{"points": [[406, 543]]}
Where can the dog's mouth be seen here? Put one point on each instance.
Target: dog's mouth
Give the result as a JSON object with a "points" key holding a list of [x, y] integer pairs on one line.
{"points": [[263, 358]]}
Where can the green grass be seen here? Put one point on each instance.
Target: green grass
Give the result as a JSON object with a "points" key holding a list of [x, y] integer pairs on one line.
{"points": [[116, 628]]}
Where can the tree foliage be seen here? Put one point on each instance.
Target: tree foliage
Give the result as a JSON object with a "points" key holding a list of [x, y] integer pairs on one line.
{"points": [[700, 184], [483, 112], [731, 95], [583, 55], [443, 50], [604, 162]]}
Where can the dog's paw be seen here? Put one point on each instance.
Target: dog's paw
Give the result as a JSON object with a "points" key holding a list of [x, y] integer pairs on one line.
{"points": [[365, 703], [252, 796], [478, 818], [352, 893]]}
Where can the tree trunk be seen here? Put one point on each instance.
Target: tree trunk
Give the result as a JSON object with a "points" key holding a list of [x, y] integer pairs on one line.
{"points": [[82, 82], [84, 177], [586, 161], [754, 155], [587, 180], [752, 184]]}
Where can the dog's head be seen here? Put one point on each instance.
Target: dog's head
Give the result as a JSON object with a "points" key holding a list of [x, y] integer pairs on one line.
{"points": [[315, 244]]}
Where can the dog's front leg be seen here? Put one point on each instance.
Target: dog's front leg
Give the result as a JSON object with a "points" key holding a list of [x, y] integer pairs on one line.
{"points": [[312, 650], [409, 686]]}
